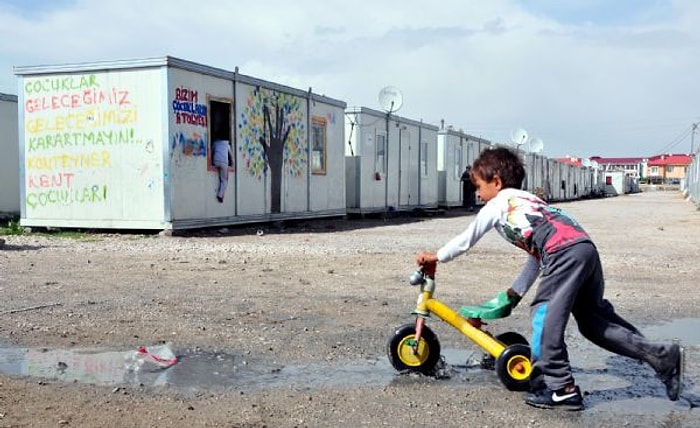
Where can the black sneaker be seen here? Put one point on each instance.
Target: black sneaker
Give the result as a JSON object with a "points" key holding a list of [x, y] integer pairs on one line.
{"points": [[545, 398], [672, 377]]}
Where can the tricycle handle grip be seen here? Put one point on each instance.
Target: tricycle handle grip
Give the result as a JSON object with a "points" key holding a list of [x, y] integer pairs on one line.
{"points": [[416, 277]]}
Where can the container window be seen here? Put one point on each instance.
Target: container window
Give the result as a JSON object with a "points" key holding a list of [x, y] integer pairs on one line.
{"points": [[458, 168], [318, 145], [380, 153]]}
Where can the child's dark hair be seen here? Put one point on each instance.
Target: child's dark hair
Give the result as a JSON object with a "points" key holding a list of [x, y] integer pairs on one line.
{"points": [[502, 162]]}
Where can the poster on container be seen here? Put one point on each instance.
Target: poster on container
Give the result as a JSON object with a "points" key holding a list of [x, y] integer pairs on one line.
{"points": [[93, 147]]}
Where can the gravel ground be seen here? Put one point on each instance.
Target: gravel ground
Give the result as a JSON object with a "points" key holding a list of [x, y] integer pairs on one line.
{"points": [[320, 293]]}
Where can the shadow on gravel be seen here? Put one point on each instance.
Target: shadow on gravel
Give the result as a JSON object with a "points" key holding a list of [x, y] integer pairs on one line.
{"points": [[321, 225], [289, 226], [11, 247]]}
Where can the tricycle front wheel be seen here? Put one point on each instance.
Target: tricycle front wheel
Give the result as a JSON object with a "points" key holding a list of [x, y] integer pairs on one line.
{"points": [[513, 367], [406, 354]]}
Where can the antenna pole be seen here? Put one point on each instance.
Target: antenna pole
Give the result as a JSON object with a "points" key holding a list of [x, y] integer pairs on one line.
{"points": [[386, 164], [390, 100], [692, 138]]}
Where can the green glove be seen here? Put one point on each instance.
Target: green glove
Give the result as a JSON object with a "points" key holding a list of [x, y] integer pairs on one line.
{"points": [[498, 307]]}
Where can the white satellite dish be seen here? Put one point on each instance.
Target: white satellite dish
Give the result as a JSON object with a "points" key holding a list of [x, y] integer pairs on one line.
{"points": [[536, 145], [390, 99], [586, 162], [518, 136]]}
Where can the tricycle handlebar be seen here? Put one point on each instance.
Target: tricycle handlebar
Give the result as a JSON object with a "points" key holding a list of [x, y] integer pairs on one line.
{"points": [[416, 278], [427, 269]]}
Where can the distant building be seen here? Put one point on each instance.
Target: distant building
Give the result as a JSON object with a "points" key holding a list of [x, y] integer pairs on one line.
{"points": [[571, 160], [667, 169], [631, 166]]}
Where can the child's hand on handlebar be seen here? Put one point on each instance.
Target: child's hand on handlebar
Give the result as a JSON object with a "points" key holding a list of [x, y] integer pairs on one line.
{"points": [[513, 297], [426, 258]]}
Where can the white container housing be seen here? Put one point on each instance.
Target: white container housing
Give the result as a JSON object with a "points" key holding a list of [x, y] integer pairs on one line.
{"points": [[617, 183], [9, 161], [456, 151], [128, 145], [391, 162], [535, 173]]}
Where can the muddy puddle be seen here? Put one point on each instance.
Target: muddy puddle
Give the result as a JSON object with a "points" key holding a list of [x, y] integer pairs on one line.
{"points": [[607, 378], [193, 370]]}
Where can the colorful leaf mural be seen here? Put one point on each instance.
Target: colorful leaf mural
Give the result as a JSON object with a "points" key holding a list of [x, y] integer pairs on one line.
{"points": [[272, 127]]}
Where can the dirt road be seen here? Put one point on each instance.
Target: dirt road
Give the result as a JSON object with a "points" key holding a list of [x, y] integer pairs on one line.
{"points": [[288, 327]]}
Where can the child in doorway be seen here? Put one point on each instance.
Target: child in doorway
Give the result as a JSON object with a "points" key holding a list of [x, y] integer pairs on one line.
{"points": [[222, 158], [563, 254]]}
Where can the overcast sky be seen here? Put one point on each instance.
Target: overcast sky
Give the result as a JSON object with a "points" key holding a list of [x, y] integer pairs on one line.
{"points": [[588, 77]]}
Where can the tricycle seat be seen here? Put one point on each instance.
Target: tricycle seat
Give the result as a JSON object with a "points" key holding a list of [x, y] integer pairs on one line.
{"points": [[498, 307]]}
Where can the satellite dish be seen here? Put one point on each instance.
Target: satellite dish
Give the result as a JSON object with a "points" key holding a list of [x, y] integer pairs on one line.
{"points": [[518, 136], [586, 162], [536, 145], [390, 99], [594, 164]]}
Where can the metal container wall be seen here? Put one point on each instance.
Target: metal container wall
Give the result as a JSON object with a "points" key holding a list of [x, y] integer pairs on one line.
{"points": [[402, 177], [193, 179], [9, 162], [692, 181], [128, 144], [92, 149], [456, 151]]}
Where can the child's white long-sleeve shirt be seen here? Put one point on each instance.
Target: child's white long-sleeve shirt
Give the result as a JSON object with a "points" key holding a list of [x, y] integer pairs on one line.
{"points": [[527, 222]]}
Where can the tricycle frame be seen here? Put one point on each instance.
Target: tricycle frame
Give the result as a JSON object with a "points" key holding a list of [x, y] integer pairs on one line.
{"points": [[513, 365]]}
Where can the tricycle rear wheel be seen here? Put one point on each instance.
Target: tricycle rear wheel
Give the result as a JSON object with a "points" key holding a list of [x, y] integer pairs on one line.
{"points": [[508, 338], [405, 355], [511, 338]]}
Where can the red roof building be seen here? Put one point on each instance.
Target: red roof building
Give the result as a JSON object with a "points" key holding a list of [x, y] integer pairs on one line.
{"points": [[571, 160], [667, 169]]}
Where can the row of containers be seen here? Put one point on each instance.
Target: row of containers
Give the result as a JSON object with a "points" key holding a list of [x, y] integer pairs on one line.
{"points": [[692, 181], [128, 145]]}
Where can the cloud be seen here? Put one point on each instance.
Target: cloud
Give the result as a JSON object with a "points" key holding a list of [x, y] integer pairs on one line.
{"points": [[585, 77]]}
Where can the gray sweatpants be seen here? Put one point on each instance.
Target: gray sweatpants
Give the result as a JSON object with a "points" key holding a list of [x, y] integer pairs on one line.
{"points": [[223, 180], [572, 283]]}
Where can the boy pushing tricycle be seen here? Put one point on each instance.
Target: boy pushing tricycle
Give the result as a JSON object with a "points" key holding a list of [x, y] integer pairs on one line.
{"points": [[571, 282]]}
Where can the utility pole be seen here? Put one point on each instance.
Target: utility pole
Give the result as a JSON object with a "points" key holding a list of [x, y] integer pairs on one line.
{"points": [[692, 139]]}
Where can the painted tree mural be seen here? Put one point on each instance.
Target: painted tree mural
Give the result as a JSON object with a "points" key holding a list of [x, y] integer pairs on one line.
{"points": [[273, 139]]}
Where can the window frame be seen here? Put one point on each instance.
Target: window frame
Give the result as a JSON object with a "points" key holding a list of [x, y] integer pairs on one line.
{"points": [[457, 163], [424, 158], [380, 167], [210, 123], [321, 124]]}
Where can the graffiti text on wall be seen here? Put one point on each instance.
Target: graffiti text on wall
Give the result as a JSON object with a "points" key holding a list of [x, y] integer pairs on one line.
{"points": [[82, 195], [78, 139], [187, 108], [87, 98], [61, 84], [72, 127]]}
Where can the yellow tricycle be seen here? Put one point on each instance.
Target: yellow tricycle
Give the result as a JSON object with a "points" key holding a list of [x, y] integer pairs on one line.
{"points": [[415, 347]]}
